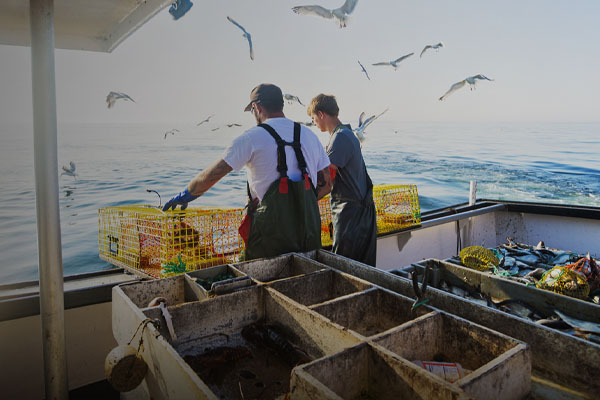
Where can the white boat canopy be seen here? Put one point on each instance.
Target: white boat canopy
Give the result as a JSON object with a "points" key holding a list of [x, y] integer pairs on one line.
{"points": [[93, 25]]}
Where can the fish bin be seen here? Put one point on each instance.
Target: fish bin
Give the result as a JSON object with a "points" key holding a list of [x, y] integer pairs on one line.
{"points": [[320, 287], [367, 372], [484, 363], [281, 267], [370, 312]]}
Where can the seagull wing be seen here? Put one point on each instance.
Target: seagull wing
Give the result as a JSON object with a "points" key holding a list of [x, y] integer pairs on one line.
{"points": [[403, 57], [364, 70], [383, 63], [454, 88], [348, 6], [367, 122], [236, 24], [360, 119], [313, 10], [426, 47], [72, 164], [297, 98], [440, 44], [482, 77], [125, 96], [250, 44]]}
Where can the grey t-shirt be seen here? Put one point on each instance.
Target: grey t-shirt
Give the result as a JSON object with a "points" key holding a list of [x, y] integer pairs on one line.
{"points": [[344, 152]]}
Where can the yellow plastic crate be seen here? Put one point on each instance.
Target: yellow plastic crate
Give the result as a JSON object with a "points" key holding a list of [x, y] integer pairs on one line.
{"points": [[143, 238], [397, 208]]}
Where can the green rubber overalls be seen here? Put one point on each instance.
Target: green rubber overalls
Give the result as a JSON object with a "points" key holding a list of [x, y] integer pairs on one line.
{"points": [[287, 218]]}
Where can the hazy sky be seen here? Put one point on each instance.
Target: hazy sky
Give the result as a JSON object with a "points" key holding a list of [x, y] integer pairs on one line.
{"points": [[542, 54]]}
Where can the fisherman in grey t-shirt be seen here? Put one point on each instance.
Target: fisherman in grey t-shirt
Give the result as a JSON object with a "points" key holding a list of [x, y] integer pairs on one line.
{"points": [[352, 208]]}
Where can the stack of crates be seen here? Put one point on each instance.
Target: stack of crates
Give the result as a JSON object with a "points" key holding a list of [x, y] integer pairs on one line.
{"points": [[142, 239]]}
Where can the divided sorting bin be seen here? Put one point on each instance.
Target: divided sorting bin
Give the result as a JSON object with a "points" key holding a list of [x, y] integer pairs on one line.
{"points": [[366, 371], [327, 318], [500, 366], [563, 366]]}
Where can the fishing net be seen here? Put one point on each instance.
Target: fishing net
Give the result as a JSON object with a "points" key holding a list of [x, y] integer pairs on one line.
{"points": [[589, 269], [478, 257], [565, 281]]}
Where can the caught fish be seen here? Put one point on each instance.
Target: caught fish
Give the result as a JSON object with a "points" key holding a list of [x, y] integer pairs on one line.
{"points": [[519, 308], [535, 274], [586, 326], [509, 261]]}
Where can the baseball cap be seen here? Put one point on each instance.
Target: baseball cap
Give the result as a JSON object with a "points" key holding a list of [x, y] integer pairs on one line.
{"points": [[266, 93]]}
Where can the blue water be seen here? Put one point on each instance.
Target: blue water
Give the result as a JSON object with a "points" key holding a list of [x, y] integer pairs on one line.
{"points": [[552, 163]]}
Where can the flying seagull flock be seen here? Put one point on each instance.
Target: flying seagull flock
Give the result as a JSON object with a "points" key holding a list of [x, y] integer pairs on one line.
{"points": [[340, 15]]}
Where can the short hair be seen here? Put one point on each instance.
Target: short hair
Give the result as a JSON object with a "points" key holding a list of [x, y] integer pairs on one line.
{"points": [[325, 103]]}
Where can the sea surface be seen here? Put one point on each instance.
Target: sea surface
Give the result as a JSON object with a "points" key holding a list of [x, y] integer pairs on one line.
{"points": [[117, 163]]}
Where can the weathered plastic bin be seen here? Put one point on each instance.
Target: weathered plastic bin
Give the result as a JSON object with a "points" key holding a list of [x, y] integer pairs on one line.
{"points": [[281, 267], [500, 365], [563, 366], [370, 312], [320, 287], [217, 323], [239, 280], [366, 371]]}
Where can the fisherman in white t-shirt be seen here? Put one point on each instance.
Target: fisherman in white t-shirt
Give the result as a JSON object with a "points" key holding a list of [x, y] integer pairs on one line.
{"points": [[284, 160]]}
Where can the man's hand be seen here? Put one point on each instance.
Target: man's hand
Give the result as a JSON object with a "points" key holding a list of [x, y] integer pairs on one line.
{"points": [[183, 198]]}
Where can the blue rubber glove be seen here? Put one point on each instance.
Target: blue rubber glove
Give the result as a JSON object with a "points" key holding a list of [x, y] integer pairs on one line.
{"points": [[183, 198]]}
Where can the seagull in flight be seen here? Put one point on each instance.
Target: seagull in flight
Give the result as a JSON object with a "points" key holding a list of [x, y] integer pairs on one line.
{"points": [[291, 98], [394, 63], [341, 14], [246, 35], [471, 80], [206, 120], [363, 124], [114, 96], [364, 70], [172, 132], [232, 125], [430, 46], [69, 170], [214, 129], [309, 123]]}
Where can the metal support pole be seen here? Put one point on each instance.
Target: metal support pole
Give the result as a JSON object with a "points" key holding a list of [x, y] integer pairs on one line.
{"points": [[41, 14], [473, 193]]}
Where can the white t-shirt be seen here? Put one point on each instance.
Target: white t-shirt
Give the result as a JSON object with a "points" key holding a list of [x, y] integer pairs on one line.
{"points": [[256, 150]]}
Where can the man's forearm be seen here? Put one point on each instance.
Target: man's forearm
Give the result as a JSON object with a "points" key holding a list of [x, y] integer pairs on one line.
{"points": [[207, 178], [323, 183]]}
